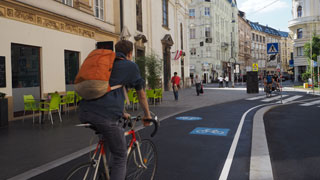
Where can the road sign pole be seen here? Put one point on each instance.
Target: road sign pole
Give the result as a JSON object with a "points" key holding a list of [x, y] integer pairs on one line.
{"points": [[318, 63]]}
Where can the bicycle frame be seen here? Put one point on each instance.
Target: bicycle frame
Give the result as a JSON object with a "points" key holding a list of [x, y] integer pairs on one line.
{"points": [[100, 149]]}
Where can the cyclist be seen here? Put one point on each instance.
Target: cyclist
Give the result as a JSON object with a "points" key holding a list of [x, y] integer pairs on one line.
{"points": [[276, 81], [105, 112], [268, 80]]}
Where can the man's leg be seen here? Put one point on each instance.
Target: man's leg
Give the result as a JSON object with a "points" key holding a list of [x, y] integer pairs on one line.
{"points": [[113, 134]]}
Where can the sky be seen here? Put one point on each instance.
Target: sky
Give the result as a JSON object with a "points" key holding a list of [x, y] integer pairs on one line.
{"points": [[276, 15]]}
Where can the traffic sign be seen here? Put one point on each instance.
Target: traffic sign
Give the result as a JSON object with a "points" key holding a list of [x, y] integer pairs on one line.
{"points": [[278, 67], [272, 48], [255, 67]]}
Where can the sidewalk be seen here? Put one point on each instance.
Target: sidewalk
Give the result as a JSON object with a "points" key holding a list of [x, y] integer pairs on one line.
{"points": [[25, 146]]}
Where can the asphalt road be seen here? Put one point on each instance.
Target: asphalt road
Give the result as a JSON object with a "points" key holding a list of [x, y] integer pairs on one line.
{"points": [[293, 137], [182, 155]]}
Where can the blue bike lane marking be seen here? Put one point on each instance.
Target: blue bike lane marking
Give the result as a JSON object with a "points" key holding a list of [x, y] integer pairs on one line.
{"points": [[210, 131], [188, 118]]}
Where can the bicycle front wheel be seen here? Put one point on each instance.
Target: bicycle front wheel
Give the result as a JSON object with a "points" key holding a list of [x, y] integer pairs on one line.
{"points": [[85, 171], [135, 169]]}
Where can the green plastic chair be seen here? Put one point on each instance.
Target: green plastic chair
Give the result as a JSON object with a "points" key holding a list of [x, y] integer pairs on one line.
{"points": [[53, 105], [29, 105], [159, 94], [133, 98], [151, 95], [68, 99]]}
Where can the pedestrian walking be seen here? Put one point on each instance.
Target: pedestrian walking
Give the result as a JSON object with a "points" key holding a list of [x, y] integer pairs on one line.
{"points": [[226, 79], [175, 80], [220, 81], [198, 81]]}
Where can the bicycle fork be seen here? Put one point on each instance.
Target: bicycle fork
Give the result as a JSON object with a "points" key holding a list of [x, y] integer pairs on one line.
{"points": [[137, 144]]}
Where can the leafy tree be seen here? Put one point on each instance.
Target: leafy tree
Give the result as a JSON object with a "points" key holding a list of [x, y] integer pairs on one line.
{"points": [[315, 52], [154, 67]]}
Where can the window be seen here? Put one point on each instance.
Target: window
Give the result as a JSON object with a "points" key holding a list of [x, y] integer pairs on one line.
{"points": [[299, 51], [99, 9], [264, 40], [208, 49], [68, 2], [193, 51], [192, 33], [25, 66], [299, 33], [192, 13], [257, 37], [208, 32], [207, 11], [260, 38], [165, 13], [139, 15], [71, 65], [207, 0], [253, 36], [299, 11]]}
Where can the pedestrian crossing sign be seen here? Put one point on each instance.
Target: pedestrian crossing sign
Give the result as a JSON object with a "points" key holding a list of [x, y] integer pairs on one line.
{"points": [[272, 48], [255, 67]]}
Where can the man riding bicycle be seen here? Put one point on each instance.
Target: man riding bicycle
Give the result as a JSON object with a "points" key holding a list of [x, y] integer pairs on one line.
{"points": [[105, 112], [268, 80]]}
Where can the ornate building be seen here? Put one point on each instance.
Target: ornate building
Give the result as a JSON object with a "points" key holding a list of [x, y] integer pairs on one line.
{"points": [[305, 22], [213, 33], [244, 56], [44, 42], [160, 27]]}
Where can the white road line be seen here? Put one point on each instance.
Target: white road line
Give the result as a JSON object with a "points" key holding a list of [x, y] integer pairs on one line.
{"points": [[290, 99], [227, 165], [255, 98], [273, 98], [311, 103]]}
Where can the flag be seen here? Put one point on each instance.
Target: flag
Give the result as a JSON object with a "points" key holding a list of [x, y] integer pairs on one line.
{"points": [[176, 55]]}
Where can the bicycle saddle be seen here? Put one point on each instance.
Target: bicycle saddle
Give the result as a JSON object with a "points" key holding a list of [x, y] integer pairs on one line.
{"points": [[89, 125]]}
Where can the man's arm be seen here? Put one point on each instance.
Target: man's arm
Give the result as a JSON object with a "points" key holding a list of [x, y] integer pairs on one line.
{"points": [[144, 104]]}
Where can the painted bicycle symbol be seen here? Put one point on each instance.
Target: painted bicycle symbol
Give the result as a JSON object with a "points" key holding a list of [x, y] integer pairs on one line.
{"points": [[211, 131]]}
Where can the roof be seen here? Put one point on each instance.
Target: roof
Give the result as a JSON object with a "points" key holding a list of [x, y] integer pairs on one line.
{"points": [[268, 30]]}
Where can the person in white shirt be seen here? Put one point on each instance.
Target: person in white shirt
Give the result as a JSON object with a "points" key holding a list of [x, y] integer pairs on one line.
{"points": [[197, 81], [227, 81], [220, 81]]}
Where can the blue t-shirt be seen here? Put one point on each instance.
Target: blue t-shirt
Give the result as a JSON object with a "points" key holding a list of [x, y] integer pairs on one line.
{"points": [[111, 105], [269, 79]]}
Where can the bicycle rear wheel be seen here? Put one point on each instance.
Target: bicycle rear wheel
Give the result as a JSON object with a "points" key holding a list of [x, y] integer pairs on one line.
{"points": [[86, 172], [149, 157]]}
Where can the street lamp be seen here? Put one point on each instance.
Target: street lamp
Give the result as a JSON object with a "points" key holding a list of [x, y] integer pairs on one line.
{"points": [[230, 59]]}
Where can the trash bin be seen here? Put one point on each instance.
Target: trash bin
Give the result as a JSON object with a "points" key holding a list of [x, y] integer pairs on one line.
{"points": [[3, 112], [252, 82], [305, 85]]}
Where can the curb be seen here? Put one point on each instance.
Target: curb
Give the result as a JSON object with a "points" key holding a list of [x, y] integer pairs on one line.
{"points": [[260, 163]]}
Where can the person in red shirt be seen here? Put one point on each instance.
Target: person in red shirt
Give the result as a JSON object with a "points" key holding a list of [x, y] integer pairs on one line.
{"points": [[175, 80]]}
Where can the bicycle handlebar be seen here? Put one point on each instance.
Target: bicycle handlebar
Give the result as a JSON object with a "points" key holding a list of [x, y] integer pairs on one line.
{"points": [[155, 122], [138, 118]]}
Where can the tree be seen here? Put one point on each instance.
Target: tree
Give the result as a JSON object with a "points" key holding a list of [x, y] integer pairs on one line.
{"points": [[307, 53], [154, 71]]}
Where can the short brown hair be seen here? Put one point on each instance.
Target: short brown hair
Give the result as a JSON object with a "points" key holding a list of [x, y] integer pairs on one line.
{"points": [[124, 46]]}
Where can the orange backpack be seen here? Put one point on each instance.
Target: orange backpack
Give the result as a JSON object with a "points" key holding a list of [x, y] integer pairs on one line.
{"points": [[92, 80]]}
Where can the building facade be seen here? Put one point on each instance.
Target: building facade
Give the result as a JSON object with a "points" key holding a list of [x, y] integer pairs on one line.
{"points": [[213, 33], [261, 36], [305, 22], [160, 27], [244, 56], [44, 42]]}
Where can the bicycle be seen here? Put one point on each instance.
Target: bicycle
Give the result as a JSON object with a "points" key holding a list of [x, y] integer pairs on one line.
{"points": [[142, 156]]}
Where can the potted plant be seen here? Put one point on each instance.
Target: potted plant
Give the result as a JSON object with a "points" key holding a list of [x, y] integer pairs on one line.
{"points": [[3, 110]]}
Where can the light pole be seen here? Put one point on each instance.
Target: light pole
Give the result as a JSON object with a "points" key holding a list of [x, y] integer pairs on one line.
{"points": [[231, 63]]}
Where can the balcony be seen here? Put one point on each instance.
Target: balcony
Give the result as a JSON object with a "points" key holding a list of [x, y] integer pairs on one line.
{"points": [[304, 20]]}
